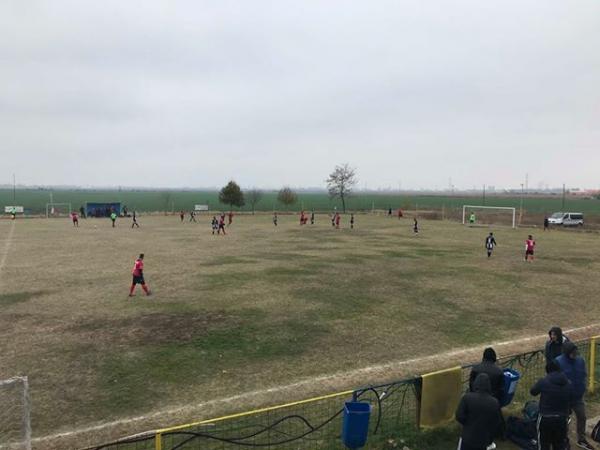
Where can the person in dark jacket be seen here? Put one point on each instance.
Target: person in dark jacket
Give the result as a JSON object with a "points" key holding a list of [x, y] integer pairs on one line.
{"points": [[573, 366], [555, 401], [479, 414], [488, 366], [555, 343]]}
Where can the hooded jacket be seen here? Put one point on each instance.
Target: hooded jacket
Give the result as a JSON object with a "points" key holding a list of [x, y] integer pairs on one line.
{"points": [[479, 414], [495, 374], [556, 394], [574, 369], [554, 349]]}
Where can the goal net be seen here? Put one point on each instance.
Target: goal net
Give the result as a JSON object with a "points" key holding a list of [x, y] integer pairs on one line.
{"points": [[58, 209], [15, 422], [489, 215]]}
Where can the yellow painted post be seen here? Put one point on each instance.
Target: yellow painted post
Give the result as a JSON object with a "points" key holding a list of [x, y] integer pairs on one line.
{"points": [[158, 441], [592, 366]]}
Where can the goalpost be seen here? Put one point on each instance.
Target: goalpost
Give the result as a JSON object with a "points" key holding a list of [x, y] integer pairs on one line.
{"points": [[58, 209], [499, 208], [15, 414]]}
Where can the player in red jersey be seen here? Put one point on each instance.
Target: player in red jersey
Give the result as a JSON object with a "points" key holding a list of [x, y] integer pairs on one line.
{"points": [[337, 220], [221, 225], [230, 218], [181, 215], [138, 276], [529, 248], [75, 219]]}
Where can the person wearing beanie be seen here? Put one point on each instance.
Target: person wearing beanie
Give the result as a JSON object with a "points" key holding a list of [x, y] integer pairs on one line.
{"points": [[556, 393], [554, 345], [488, 366], [573, 366]]}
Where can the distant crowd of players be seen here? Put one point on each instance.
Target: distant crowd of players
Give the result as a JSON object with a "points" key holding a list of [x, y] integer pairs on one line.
{"points": [[219, 223]]}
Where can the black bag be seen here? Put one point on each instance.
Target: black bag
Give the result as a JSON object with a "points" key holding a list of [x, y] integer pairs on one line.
{"points": [[596, 432], [522, 432]]}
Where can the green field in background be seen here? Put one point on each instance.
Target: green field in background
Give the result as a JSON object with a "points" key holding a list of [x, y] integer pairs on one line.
{"points": [[34, 200]]}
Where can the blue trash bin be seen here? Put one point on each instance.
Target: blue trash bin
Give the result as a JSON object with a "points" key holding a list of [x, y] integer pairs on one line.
{"points": [[511, 381], [356, 424]]}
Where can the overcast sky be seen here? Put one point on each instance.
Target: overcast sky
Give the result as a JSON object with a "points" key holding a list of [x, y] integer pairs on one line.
{"points": [[193, 93]]}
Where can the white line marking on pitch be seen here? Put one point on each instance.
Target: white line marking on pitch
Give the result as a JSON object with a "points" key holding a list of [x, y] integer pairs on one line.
{"points": [[307, 382], [7, 245]]}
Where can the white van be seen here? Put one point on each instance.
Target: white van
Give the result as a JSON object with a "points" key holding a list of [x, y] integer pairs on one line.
{"points": [[566, 219]]}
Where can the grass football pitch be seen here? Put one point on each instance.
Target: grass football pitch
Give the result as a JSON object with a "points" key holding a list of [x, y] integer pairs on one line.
{"points": [[262, 306]]}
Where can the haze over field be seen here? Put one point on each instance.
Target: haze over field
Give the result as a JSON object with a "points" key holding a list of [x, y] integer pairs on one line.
{"points": [[183, 93]]}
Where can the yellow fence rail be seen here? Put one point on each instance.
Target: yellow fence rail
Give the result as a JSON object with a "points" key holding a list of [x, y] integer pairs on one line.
{"points": [[315, 423]]}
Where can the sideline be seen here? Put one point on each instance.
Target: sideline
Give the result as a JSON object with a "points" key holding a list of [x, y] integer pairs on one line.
{"points": [[396, 365]]}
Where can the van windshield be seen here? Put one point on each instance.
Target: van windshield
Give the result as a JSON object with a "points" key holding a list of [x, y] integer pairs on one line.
{"points": [[557, 215]]}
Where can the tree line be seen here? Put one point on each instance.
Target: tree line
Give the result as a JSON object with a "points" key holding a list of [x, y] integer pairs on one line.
{"points": [[340, 184]]}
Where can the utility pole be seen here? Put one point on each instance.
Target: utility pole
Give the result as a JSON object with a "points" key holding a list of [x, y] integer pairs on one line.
{"points": [[483, 195], [521, 207], [14, 190], [563, 197]]}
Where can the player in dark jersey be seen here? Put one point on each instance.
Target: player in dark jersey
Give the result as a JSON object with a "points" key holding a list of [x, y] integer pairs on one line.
{"points": [[312, 217], [416, 226], [134, 222], [215, 225], [490, 243], [192, 216], [181, 215], [352, 221], [275, 219]]}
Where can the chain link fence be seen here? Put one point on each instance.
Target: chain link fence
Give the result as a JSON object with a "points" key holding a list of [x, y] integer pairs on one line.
{"points": [[316, 423]]}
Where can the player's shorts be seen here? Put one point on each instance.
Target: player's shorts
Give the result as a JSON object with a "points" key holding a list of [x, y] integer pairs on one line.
{"points": [[529, 252], [138, 279]]}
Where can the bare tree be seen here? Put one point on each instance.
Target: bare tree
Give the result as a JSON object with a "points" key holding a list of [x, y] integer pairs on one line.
{"points": [[287, 197], [254, 196], [341, 182]]}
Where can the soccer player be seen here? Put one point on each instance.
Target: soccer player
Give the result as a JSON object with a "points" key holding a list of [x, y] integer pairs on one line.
{"points": [[230, 218], [333, 220], [138, 276], [352, 221], [472, 218], [13, 213], [546, 223], [337, 220], [75, 219], [490, 243], [275, 219], [529, 248], [416, 226], [192, 216], [400, 214], [181, 215], [113, 218], [312, 217], [390, 212], [222, 225], [214, 224], [134, 223]]}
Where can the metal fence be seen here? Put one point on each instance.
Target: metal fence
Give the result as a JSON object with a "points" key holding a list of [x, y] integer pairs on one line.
{"points": [[316, 423]]}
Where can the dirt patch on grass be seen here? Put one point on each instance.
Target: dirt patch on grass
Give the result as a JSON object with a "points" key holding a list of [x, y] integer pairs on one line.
{"points": [[155, 328]]}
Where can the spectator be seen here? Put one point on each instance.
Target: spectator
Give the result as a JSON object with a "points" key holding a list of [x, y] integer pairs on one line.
{"points": [[479, 414], [490, 368], [573, 367], [555, 400], [554, 345]]}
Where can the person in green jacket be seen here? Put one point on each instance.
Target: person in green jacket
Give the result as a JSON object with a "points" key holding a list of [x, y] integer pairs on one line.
{"points": [[113, 217], [472, 218]]}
